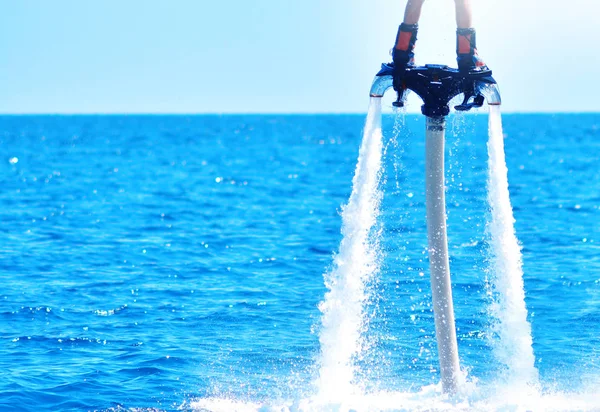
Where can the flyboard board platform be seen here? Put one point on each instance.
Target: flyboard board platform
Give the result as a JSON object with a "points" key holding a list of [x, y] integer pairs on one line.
{"points": [[437, 85]]}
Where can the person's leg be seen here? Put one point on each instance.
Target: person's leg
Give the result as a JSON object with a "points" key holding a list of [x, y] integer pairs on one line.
{"points": [[413, 11], [466, 44], [464, 16], [403, 51]]}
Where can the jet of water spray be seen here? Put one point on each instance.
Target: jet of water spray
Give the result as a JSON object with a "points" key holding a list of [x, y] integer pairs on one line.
{"points": [[343, 310], [513, 344]]}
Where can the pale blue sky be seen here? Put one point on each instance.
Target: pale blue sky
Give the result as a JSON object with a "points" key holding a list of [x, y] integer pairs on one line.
{"points": [[266, 56]]}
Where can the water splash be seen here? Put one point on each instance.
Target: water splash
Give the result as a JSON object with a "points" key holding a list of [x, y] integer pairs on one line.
{"points": [[513, 343], [427, 398], [344, 320]]}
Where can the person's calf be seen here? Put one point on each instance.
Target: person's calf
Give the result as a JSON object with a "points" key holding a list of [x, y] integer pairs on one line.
{"points": [[464, 14], [412, 13]]}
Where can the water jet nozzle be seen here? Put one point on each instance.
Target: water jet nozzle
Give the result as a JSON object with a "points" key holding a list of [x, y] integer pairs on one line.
{"points": [[436, 85]]}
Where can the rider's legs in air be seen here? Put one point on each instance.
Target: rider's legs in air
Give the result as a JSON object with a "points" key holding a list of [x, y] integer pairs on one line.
{"points": [[466, 48]]}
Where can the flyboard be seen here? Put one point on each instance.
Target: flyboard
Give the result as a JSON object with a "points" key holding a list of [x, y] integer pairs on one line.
{"points": [[437, 85]]}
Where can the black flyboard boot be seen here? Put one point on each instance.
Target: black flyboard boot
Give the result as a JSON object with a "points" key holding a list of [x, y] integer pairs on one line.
{"points": [[469, 62], [466, 51], [403, 56]]}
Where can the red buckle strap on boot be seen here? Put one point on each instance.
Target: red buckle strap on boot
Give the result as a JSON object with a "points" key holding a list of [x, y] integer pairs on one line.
{"points": [[464, 44], [403, 40]]}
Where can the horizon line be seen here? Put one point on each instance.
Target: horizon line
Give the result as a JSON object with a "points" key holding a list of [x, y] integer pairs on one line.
{"points": [[268, 113]]}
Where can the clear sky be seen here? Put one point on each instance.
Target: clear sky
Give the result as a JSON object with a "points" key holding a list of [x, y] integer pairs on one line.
{"points": [[272, 56]]}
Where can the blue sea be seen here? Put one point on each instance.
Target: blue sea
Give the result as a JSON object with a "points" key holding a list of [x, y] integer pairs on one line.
{"points": [[179, 262]]}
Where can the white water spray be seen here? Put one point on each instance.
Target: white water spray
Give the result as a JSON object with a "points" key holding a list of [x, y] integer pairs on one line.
{"points": [[344, 320], [513, 347]]}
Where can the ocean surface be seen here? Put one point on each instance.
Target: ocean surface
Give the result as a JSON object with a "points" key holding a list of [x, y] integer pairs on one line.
{"points": [[180, 263]]}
